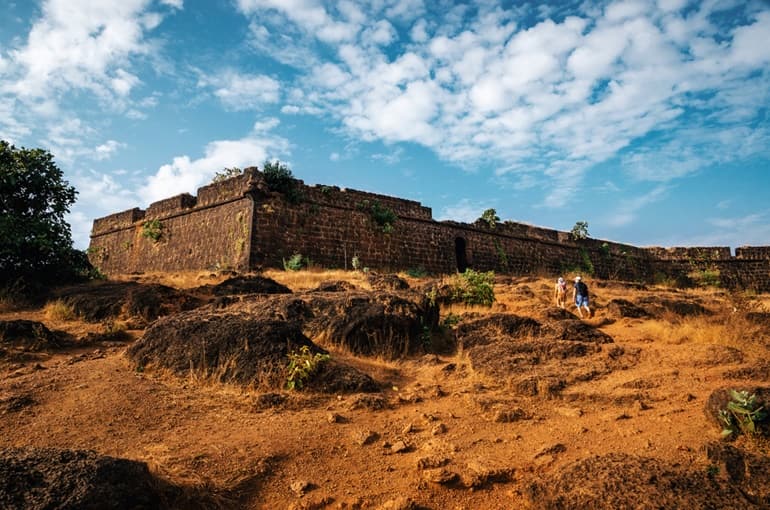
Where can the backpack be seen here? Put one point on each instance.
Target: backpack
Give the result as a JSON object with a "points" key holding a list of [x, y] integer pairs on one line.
{"points": [[582, 289]]}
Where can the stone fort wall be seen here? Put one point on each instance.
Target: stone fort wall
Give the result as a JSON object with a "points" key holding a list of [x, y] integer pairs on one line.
{"points": [[240, 224]]}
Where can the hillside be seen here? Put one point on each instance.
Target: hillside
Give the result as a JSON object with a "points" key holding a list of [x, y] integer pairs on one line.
{"points": [[517, 405]]}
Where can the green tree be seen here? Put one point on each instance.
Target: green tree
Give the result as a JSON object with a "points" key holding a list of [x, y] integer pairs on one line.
{"points": [[580, 230], [490, 217], [35, 240]]}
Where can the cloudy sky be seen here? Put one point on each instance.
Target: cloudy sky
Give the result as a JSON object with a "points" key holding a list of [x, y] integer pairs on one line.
{"points": [[646, 118]]}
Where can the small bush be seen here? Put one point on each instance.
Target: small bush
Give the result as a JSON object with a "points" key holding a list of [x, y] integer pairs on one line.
{"points": [[279, 178], [580, 230], [489, 217], [302, 366], [227, 173], [383, 217], [705, 278], [152, 229], [742, 414], [451, 320], [295, 262], [474, 288], [355, 262], [58, 310], [417, 272]]}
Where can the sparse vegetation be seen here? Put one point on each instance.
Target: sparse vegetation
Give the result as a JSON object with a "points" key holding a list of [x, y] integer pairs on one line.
{"points": [[450, 320], [580, 230], [502, 257], [417, 272], [587, 266], [295, 262], [474, 287], [280, 178], [227, 173], [355, 262], [383, 217], [114, 327], [742, 414], [490, 217], [302, 366], [153, 230], [705, 277], [58, 310]]}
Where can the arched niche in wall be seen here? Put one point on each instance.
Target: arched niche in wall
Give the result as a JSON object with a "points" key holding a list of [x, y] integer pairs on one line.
{"points": [[460, 256]]}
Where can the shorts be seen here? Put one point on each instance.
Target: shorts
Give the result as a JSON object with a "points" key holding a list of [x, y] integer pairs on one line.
{"points": [[581, 300]]}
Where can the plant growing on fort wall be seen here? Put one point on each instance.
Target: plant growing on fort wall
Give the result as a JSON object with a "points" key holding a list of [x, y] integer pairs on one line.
{"points": [[502, 257], [580, 230], [383, 217], [490, 217], [302, 366], [152, 229], [355, 262], [586, 264], [227, 173], [705, 277], [473, 287], [279, 177]]}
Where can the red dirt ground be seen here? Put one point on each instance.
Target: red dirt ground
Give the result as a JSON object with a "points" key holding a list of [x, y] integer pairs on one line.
{"points": [[449, 431]]}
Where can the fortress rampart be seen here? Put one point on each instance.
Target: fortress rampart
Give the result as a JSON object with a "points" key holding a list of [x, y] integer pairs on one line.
{"points": [[241, 224]]}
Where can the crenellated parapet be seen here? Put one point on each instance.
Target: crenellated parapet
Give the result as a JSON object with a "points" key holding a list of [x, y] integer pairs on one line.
{"points": [[713, 253], [334, 196], [753, 253], [169, 206], [117, 221]]}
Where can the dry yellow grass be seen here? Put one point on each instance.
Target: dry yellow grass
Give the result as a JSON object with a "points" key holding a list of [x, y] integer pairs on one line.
{"points": [[58, 310], [309, 279], [727, 329], [178, 280]]}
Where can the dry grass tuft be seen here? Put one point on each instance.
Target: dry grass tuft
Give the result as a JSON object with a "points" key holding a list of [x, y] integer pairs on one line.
{"points": [[8, 304], [58, 310], [728, 330], [177, 280], [309, 279]]}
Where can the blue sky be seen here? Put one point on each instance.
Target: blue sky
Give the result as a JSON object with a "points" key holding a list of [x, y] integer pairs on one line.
{"points": [[646, 118]]}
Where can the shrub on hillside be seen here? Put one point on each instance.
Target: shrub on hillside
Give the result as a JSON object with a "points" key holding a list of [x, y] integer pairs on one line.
{"points": [[473, 287]]}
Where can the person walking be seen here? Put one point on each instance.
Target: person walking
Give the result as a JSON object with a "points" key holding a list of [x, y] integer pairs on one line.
{"points": [[560, 293], [580, 296]]}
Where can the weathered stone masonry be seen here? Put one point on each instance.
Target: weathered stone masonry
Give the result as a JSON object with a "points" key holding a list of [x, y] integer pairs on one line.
{"points": [[240, 224]]}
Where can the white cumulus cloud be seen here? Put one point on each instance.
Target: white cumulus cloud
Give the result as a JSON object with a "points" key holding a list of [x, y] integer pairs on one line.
{"points": [[186, 175]]}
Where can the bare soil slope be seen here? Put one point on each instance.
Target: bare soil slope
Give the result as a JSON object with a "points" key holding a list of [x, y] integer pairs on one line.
{"points": [[521, 405]]}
